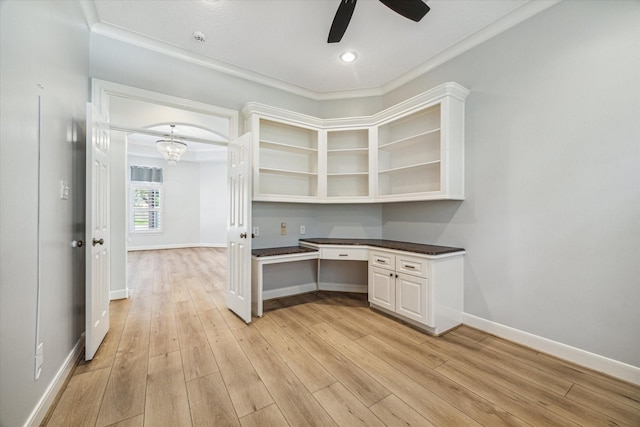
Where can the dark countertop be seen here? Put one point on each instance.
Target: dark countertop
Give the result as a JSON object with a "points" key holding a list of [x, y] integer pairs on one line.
{"points": [[287, 250], [387, 244]]}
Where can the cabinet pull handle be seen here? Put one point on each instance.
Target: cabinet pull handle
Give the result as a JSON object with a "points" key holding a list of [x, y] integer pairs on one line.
{"points": [[409, 266], [343, 254], [381, 261]]}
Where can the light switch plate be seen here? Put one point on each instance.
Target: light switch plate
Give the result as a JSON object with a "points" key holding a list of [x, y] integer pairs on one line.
{"points": [[64, 190]]}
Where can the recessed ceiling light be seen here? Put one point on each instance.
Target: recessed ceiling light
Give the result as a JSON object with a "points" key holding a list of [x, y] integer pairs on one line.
{"points": [[348, 56]]}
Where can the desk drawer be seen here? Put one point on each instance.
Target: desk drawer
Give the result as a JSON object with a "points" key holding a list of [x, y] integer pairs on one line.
{"points": [[345, 253], [411, 265], [382, 260]]}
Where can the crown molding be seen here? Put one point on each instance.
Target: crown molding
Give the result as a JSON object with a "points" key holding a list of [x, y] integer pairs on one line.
{"points": [[519, 15], [424, 99]]}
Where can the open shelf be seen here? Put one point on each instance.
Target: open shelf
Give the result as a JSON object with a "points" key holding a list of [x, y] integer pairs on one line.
{"points": [[407, 168], [410, 154], [292, 160], [296, 136], [420, 122], [348, 161], [412, 140], [287, 183], [286, 172], [421, 178], [347, 139], [286, 147], [348, 185]]}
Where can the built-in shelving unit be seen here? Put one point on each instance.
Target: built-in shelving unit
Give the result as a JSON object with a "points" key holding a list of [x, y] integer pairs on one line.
{"points": [[411, 151], [287, 161], [348, 163], [409, 154]]}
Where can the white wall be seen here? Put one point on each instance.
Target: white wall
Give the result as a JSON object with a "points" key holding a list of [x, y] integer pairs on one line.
{"points": [[362, 221], [551, 220], [213, 203], [111, 60], [195, 201], [47, 44]]}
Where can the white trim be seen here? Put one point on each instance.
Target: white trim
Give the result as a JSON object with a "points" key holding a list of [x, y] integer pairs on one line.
{"points": [[289, 290], [584, 358], [519, 15], [119, 294], [102, 89], [40, 411], [176, 246], [342, 287]]}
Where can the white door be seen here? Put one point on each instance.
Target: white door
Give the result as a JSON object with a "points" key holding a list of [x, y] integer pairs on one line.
{"points": [[411, 300], [382, 288], [239, 228], [97, 232]]}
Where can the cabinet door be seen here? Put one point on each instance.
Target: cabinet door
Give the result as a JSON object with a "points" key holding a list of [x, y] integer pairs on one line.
{"points": [[382, 290], [411, 297]]}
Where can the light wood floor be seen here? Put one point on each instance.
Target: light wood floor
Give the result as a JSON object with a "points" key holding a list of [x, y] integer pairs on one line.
{"points": [[175, 356]]}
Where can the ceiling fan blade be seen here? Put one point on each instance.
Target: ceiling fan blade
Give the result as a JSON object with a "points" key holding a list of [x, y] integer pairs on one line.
{"points": [[411, 9], [341, 20]]}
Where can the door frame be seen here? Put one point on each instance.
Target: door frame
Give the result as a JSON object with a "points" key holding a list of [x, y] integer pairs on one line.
{"points": [[102, 90]]}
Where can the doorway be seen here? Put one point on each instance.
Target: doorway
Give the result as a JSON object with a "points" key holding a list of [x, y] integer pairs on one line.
{"points": [[136, 114]]}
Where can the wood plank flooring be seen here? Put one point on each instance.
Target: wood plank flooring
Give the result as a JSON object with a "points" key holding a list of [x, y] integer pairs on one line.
{"points": [[176, 356]]}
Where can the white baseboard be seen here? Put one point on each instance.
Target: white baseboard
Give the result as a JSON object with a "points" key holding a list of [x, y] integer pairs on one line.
{"points": [[341, 287], [290, 290], [176, 246], [119, 294], [584, 358], [40, 411]]}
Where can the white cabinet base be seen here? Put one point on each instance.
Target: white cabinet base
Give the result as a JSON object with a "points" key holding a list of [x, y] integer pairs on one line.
{"points": [[430, 298], [428, 329]]}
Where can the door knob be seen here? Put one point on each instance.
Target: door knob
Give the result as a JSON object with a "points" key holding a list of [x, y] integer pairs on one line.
{"points": [[77, 243], [98, 242], [243, 235]]}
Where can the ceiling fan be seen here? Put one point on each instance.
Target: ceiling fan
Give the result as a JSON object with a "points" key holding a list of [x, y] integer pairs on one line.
{"points": [[411, 9]]}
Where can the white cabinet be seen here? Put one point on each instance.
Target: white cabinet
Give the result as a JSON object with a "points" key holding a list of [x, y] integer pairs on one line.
{"points": [[411, 151], [393, 288], [348, 163], [286, 161], [425, 291], [420, 147]]}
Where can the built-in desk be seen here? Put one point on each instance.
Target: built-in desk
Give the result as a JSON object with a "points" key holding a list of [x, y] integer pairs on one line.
{"points": [[420, 284], [261, 258]]}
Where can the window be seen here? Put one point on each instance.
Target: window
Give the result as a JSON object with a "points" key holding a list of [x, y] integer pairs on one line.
{"points": [[146, 204], [146, 199]]}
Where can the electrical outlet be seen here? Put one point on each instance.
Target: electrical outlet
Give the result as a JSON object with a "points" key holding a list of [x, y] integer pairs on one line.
{"points": [[303, 229], [256, 231], [283, 228]]}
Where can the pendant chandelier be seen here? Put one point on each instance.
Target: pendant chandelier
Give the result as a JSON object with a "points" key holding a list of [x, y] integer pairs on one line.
{"points": [[171, 149]]}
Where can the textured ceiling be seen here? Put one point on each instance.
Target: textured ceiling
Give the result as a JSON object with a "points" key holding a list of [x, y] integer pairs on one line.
{"points": [[285, 40]]}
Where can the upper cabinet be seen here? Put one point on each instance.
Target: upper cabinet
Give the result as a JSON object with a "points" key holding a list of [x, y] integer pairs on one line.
{"points": [[285, 161], [411, 151], [348, 165]]}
